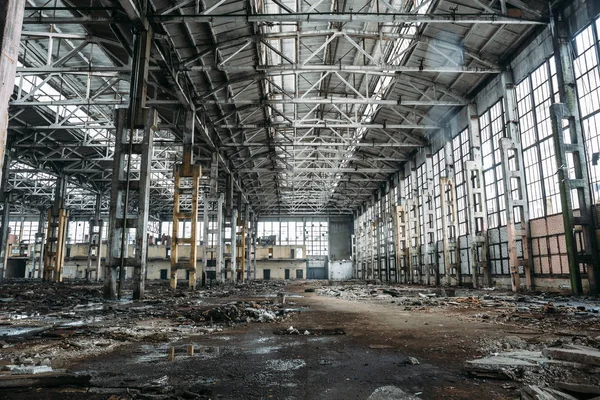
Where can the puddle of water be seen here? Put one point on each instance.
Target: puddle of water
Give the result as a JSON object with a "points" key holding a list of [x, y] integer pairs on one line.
{"points": [[161, 353], [20, 330], [310, 331], [285, 365], [264, 350], [89, 307]]}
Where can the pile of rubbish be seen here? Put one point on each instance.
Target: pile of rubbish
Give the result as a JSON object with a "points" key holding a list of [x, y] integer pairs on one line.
{"points": [[569, 372], [544, 312], [242, 312]]}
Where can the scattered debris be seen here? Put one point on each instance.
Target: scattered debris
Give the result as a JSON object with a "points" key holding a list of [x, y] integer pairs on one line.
{"points": [[413, 361], [391, 393]]}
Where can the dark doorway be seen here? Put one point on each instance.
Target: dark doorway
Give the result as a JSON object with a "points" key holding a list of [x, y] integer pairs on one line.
{"points": [[164, 273], [266, 274], [299, 274], [287, 274]]}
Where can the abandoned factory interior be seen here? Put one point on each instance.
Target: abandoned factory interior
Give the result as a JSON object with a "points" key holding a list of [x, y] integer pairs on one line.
{"points": [[300, 199]]}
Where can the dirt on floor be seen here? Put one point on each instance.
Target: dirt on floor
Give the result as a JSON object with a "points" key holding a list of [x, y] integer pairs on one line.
{"points": [[344, 340]]}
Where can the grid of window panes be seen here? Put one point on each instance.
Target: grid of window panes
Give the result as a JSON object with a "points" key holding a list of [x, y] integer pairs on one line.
{"points": [[438, 170], [314, 234], [492, 130], [184, 229], [534, 96], [29, 230], [587, 77], [317, 238], [461, 153]]}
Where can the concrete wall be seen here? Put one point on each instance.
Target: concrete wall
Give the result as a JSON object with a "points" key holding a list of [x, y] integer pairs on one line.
{"points": [[341, 270], [277, 268], [340, 238]]}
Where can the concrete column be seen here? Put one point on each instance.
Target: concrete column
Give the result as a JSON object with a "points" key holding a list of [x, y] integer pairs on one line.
{"points": [[115, 229], [38, 247], [515, 191], [58, 219], [11, 22], [95, 243], [570, 152], [476, 201], [141, 235]]}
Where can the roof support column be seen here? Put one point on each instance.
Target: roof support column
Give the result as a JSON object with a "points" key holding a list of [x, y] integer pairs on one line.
{"points": [[573, 180], [95, 244], [476, 204], [515, 192], [38, 246], [121, 216], [11, 22], [186, 187], [213, 223], [449, 219], [58, 220], [5, 214]]}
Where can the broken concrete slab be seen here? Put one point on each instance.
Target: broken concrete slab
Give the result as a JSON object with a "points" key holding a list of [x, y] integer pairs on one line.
{"points": [[581, 354], [532, 392], [29, 369], [500, 367], [391, 393], [578, 388]]}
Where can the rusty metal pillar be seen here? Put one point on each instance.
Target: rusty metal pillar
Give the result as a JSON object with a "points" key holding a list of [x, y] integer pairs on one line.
{"points": [[58, 219]]}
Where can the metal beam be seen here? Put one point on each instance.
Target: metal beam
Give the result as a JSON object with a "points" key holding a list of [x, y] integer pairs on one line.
{"points": [[340, 17], [323, 144]]}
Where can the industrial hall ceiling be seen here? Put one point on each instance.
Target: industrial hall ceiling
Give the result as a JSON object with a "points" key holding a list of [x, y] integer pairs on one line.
{"points": [[309, 104]]}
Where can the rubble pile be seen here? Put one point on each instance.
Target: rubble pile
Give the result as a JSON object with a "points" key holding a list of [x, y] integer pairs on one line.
{"points": [[45, 325], [241, 312], [543, 312], [566, 372]]}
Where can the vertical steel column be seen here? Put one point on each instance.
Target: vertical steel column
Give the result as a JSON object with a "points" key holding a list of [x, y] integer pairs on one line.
{"points": [[121, 217], [246, 244], [233, 264], [38, 246], [254, 233], [11, 23], [515, 191], [58, 219], [95, 243], [186, 187], [476, 203], [573, 180], [5, 196]]}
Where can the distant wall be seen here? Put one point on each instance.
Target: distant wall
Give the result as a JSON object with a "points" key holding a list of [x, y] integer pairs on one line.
{"points": [[340, 238]]}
